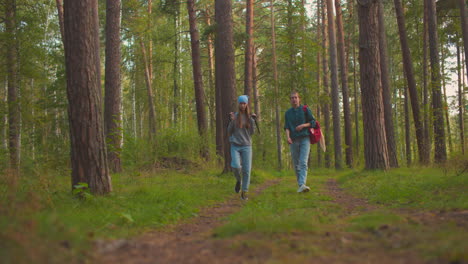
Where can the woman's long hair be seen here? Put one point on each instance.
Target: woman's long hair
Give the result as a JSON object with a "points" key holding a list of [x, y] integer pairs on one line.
{"points": [[246, 113]]}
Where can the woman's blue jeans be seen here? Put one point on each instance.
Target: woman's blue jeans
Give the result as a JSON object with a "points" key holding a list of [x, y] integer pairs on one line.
{"points": [[300, 149], [241, 157]]}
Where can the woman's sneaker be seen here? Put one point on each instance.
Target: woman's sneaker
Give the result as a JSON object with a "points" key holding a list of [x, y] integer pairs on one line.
{"points": [[237, 188], [244, 196], [303, 188]]}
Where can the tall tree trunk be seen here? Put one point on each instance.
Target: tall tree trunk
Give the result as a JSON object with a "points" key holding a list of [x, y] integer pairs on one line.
{"points": [[344, 85], [290, 29], [427, 118], [88, 148], [149, 90], [275, 80], [318, 76], [215, 103], [461, 104], [60, 17], [225, 71], [248, 74], [14, 118], [387, 97], [408, 66], [464, 24], [334, 86], [407, 129], [356, 101], [197, 74], [256, 91], [445, 102], [176, 96], [5, 118], [112, 102], [375, 145], [326, 106], [439, 131]]}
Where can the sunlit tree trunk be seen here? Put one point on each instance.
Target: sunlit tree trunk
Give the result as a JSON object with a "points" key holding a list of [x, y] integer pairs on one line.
{"points": [[461, 104], [248, 67], [197, 74], [445, 102], [375, 145], [344, 85], [14, 118], [386, 94], [440, 151], [113, 100], [88, 148], [60, 17], [334, 86], [225, 71], [175, 69], [149, 91], [256, 90], [275, 84], [464, 25], [413, 93]]}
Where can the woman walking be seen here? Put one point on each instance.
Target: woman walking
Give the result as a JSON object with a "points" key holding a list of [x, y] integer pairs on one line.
{"points": [[241, 129]]}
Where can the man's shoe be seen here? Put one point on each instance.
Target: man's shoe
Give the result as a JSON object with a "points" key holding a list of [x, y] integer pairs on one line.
{"points": [[244, 196], [303, 189], [237, 188]]}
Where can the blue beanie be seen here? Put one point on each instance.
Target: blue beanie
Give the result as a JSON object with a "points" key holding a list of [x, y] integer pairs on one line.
{"points": [[243, 99]]}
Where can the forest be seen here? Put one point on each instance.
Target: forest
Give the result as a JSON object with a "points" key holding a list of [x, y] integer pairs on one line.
{"points": [[114, 130]]}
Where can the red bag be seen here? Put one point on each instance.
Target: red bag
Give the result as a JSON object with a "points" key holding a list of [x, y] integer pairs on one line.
{"points": [[315, 134]]}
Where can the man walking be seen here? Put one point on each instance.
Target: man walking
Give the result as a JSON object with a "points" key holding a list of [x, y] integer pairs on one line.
{"points": [[297, 121]]}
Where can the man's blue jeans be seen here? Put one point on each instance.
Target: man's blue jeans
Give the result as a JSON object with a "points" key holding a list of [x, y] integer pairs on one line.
{"points": [[300, 149], [241, 157]]}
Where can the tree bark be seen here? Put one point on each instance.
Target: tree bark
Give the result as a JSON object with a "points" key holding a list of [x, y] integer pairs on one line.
{"points": [[318, 76], [225, 72], [461, 104], [334, 86], [256, 91], [445, 102], [427, 118], [60, 17], [248, 73], [88, 148], [464, 24], [407, 129], [5, 118], [14, 114], [197, 74], [149, 90], [176, 95], [344, 85], [375, 146], [440, 151], [408, 66], [275, 80], [113, 100], [386, 94], [326, 105]]}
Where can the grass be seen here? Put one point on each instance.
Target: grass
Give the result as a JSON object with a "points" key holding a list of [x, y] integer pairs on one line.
{"points": [[41, 217], [280, 209], [424, 188]]}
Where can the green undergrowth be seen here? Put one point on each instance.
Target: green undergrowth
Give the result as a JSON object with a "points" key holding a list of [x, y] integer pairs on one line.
{"points": [[425, 188], [42, 222]]}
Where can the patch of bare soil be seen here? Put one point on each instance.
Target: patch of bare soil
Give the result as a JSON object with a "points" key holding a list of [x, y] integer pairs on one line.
{"points": [[188, 242]]}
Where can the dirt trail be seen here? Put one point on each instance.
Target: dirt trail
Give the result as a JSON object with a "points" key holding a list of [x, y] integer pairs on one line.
{"points": [[187, 242], [192, 241]]}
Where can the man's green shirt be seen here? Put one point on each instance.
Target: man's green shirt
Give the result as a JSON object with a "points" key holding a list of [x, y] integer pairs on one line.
{"points": [[295, 117]]}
